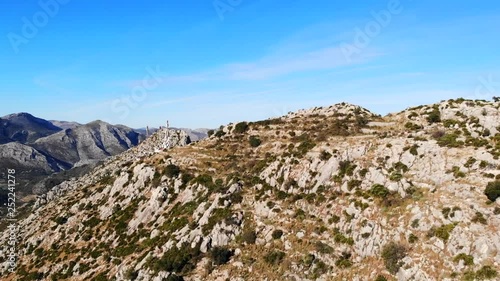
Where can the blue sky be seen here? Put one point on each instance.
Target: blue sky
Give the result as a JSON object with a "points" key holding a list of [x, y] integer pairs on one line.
{"points": [[203, 63]]}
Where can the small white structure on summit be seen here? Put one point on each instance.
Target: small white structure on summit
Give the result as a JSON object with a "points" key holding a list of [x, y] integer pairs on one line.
{"points": [[166, 141]]}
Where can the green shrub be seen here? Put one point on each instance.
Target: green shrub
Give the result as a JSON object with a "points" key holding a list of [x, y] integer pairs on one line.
{"points": [[379, 190], [325, 155], [131, 274], [334, 219], [346, 168], [486, 273], [412, 126], [468, 259], [241, 127], [492, 190], [412, 238], [353, 184], [479, 217], [205, 180], [210, 133], [249, 236], [174, 277], [434, 116], [380, 278], [277, 234], [393, 253], [218, 215], [101, 277], [183, 259], [363, 172], [344, 260], [340, 238], [92, 222], [396, 176], [470, 162], [442, 232], [323, 248], [275, 257], [254, 141], [219, 133], [415, 223], [304, 147], [172, 171], [413, 150], [456, 172], [61, 220], [220, 255]]}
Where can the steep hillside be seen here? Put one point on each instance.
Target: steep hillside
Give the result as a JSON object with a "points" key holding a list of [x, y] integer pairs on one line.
{"points": [[48, 150], [329, 193], [88, 143]]}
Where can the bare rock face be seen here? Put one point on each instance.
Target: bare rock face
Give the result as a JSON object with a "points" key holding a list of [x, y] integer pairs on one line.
{"points": [[91, 142], [15, 154], [330, 193], [164, 139]]}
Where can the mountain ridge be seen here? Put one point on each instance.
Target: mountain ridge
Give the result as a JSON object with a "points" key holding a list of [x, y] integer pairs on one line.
{"points": [[330, 193]]}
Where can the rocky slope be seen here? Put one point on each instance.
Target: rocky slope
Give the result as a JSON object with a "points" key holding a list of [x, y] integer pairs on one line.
{"points": [[83, 144], [329, 193], [43, 154], [194, 134]]}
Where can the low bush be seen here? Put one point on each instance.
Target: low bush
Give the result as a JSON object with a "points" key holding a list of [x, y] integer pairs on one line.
{"points": [[172, 171], [249, 236], [492, 190], [468, 259], [220, 255], [443, 232], [393, 253], [254, 141], [241, 127], [275, 257], [277, 234], [434, 116]]}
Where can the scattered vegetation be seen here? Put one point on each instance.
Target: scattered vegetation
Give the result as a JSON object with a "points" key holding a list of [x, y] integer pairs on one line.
{"points": [[467, 259], [442, 232]]}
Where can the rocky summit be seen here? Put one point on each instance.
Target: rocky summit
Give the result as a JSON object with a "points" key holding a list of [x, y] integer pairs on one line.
{"points": [[328, 193]]}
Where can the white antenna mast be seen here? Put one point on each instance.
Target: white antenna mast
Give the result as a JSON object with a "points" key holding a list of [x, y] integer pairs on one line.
{"points": [[166, 142]]}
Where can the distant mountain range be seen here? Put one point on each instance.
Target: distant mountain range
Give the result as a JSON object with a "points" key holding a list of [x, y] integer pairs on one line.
{"points": [[38, 148]]}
